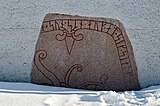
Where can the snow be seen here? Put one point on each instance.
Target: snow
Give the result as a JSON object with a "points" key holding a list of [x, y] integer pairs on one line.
{"points": [[27, 94]]}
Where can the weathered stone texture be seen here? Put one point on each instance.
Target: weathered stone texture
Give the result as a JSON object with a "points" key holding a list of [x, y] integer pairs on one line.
{"points": [[85, 53]]}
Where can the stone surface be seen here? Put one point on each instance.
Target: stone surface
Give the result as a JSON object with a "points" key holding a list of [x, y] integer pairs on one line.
{"points": [[85, 53]]}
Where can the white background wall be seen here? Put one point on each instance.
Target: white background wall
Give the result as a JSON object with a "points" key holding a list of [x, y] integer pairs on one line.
{"points": [[20, 22]]}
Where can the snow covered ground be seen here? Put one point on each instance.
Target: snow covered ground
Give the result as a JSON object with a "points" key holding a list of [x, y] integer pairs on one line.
{"points": [[26, 94]]}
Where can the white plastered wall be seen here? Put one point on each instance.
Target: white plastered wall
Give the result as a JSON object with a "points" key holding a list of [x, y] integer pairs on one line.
{"points": [[20, 22]]}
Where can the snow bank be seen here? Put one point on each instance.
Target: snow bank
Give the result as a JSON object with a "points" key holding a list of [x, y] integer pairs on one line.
{"points": [[26, 94]]}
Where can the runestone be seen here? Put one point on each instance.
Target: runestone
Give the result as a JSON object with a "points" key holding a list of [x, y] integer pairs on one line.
{"points": [[84, 53]]}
